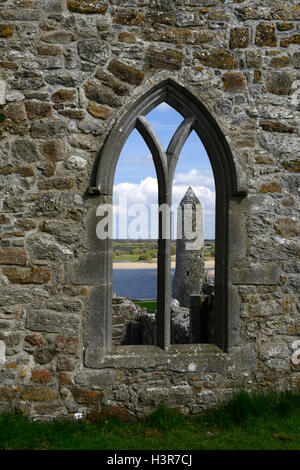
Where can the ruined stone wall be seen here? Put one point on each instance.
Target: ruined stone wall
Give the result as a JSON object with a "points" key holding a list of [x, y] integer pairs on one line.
{"points": [[69, 69]]}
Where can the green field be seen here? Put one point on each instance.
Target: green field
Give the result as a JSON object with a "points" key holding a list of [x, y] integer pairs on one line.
{"points": [[146, 250], [148, 304], [247, 422]]}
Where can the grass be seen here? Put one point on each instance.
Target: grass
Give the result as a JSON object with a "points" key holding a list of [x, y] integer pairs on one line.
{"points": [[136, 250], [148, 304], [247, 422]]}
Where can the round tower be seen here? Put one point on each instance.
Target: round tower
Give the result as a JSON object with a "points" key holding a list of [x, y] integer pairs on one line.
{"points": [[189, 274]]}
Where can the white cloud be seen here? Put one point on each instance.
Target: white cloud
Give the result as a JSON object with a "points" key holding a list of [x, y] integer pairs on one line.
{"points": [[146, 192], [195, 177]]}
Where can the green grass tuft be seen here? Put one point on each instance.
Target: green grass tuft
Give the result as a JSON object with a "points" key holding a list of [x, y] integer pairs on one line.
{"points": [[166, 419], [248, 421]]}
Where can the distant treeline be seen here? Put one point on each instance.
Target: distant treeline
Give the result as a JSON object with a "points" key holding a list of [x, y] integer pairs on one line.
{"points": [[146, 250]]}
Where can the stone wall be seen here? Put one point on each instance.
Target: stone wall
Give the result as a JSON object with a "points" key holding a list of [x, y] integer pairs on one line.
{"points": [[69, 70]]}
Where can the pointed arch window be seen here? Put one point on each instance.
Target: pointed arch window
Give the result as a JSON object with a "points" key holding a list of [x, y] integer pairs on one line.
{"points": [[197, 118]]}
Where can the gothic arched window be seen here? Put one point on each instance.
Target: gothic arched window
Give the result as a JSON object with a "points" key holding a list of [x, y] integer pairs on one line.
{"points": [[197, 118]]}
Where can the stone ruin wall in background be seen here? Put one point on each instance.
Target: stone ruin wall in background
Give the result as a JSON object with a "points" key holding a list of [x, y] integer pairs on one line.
{"points": [[68, 70]]}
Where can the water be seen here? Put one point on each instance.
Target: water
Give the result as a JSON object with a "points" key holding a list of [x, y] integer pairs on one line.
{"points": [[136, 283]]}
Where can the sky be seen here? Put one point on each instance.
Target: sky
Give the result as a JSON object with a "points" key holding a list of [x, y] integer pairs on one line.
{"points": [[135, 182]]}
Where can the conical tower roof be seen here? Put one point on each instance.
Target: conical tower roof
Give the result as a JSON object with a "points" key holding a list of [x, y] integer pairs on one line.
{"points": [[189, 198]]}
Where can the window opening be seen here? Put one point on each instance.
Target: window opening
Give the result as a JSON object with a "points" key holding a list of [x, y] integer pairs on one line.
{"points": [[230, 188], [135, 241], [193, 287]]}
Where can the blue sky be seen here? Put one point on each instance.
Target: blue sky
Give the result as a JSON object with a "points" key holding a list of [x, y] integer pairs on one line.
{"points": [[135, 176]]}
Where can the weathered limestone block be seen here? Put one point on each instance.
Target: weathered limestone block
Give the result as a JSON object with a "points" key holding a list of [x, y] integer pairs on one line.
{"points": [[13, 256], [91, 126], [22, 14], [66, 363], [265, 35], [127, 37], [35, 339], [38, 394], [58, 36], [9, 392], [286, 42], [218, 59], [52, 409], [41, 376], [296, 60], [293, 165], [27, 31], [42, 246], [84, 396], [56, 183], [126, 72], [25, 171], [73, 113], [12, 296], [243, 358], [99, 111], [169, 59], [116, 85], [15, 112], [66, 345], [233, 82], [101, 379], [65, 78], [38, 110], [253, 58], [93, 50], [36, 275], [48, 128], [27, 81], [186, 36], [53, 322], [279, 83], [101, 94], [75, 163], [280, 61], [255, 274], [88, 7], [275, 354], [66, 304], [239, 38], [273, 126], [11, 338], [52, 150], [88, 271], [43, 356], [152, 396], [6, 30], [131, 18], [287, 228], [60, 96], [279, 143], [49, 50]]}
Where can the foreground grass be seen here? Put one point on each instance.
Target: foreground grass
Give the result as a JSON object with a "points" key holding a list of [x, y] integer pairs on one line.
{"points": [[247, 422]]}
